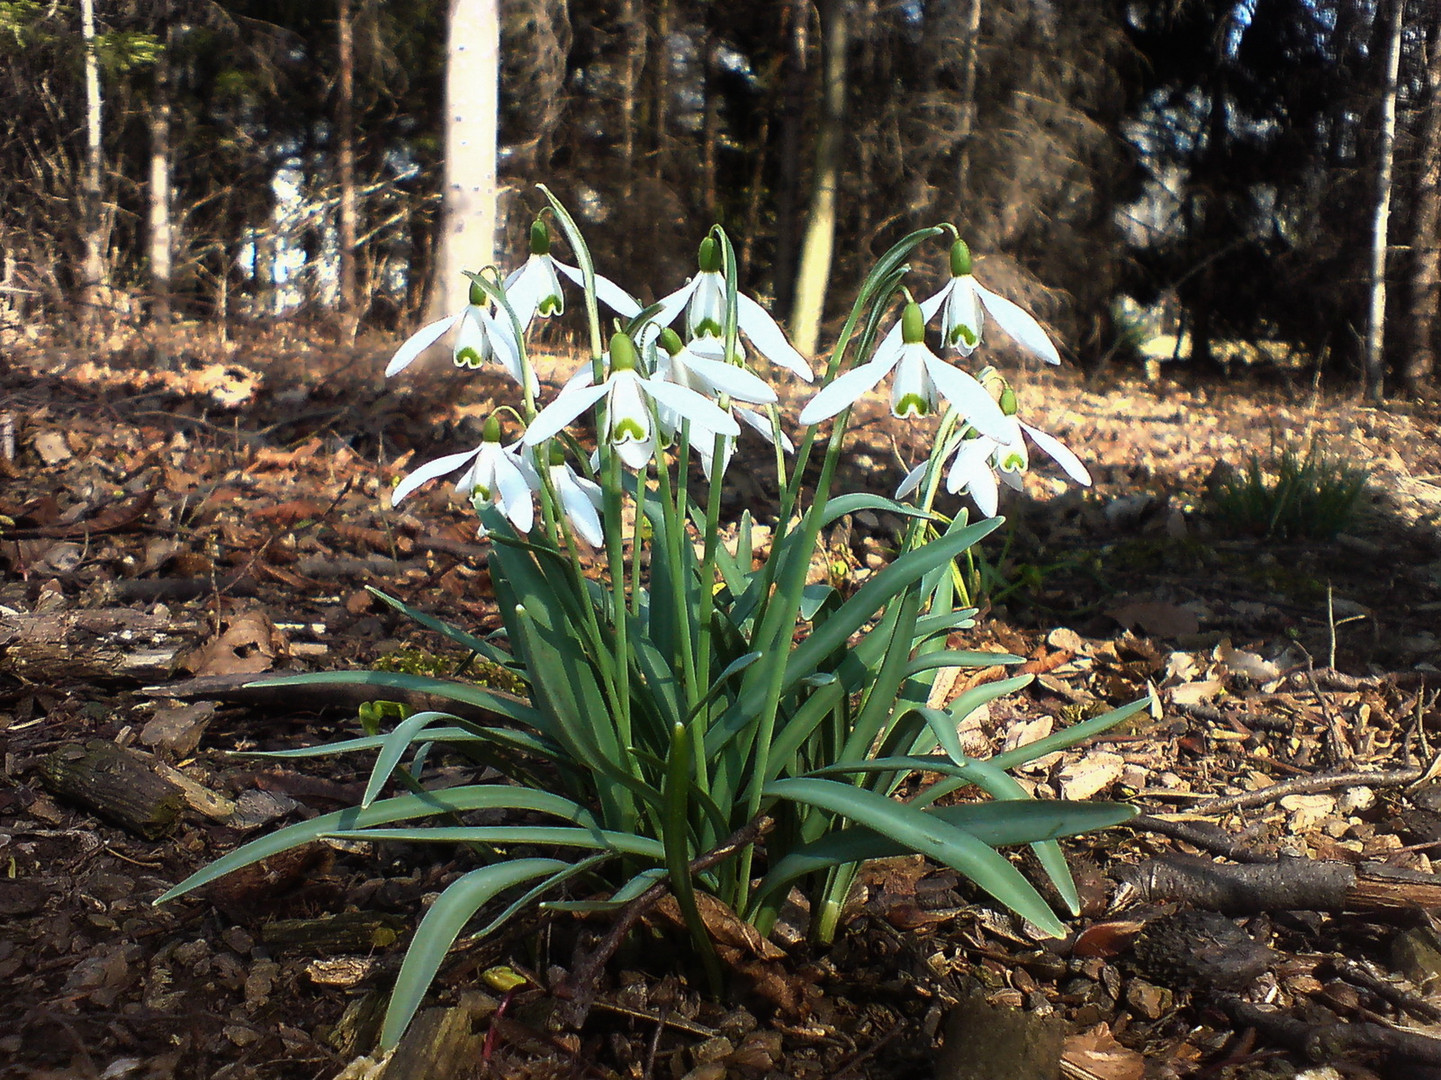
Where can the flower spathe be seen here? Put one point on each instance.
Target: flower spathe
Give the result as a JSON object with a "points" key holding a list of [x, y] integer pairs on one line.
{"points": [[922, 379], [629, 426], [703, 301], [497, 474]]}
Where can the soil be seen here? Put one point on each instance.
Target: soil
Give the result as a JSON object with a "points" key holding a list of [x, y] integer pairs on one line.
{"points": [[218, 514]]}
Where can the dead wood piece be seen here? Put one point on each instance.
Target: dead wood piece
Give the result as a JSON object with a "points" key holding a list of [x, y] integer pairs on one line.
{"points": [[443, 1042], [116, 784], [1284, 884], [1200, 950], [1310, 785], [331, 935], [1336, 1041], [105, 645]]}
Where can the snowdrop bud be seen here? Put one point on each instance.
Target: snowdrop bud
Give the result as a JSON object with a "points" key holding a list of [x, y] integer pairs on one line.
{"points": [[710, 256], [913, 325], [622, 354], [1008, 402], [960, 259], [477, 294], [557, 454], [491, 431], [539, 238]]}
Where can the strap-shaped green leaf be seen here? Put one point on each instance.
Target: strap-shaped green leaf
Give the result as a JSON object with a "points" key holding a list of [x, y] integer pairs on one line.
{"points": [[393, 748], [594, 839], [926, 834], [454, 633], [498, 702], [401, 808], [996, 824], [1071, 736], [439, 929]]}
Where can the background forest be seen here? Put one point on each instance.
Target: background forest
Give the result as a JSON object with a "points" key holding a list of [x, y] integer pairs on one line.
{"points": [[1208, 170]]}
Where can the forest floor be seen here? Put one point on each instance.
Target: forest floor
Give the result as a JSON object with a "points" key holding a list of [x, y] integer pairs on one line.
{"points": [[222, 519]]}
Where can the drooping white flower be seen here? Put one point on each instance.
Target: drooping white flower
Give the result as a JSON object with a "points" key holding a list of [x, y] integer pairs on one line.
{"points": [[964, 303], [482, 337], [497, 474], [580, 499], [922, 378], [703, 301], [629, 426], [979, 461], [534, 287]]}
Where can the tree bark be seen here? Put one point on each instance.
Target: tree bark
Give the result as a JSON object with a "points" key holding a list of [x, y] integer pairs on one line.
{"points": [[1375, 369], [1425, 284], [472, 117], [345, 163], [796, 27], [813, 275], [161, 229], [92, 269]]}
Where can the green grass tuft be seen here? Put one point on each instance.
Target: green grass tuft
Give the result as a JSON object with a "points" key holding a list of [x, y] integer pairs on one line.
{"points": [[1296, 497]]}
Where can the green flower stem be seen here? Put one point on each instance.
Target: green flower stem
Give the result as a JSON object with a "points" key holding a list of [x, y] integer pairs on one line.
{"points": [[708, 577], [676, 790], [674, 541], [615, 557]]}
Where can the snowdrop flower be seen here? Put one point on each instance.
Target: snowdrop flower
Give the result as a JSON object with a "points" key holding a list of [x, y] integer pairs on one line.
{"points": [[580, 499], [711, 377], [979, 460], [481, 338], [921, 379], [497, 474], [534, 288], [629, 426], [964, 303], [703, 299]]}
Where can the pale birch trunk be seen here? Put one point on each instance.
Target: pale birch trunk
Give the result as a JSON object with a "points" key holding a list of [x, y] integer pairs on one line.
{"points": [[345, 166], [472, 82], [1375, 361], [1425, 291], [92, 269], [813, 274]]}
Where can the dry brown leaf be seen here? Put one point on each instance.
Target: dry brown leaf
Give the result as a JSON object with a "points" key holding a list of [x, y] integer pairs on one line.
{"points": [[1159, 619], [249, 645], [1100, 1055]]}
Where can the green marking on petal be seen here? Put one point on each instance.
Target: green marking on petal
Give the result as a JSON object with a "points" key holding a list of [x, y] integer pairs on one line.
{"points": [[539, 238], [626, 429], [960, 259], [1013, 462], [709, 256], [913, 405], [469, 357], [962, 332], [551, 305], [707, 328]]}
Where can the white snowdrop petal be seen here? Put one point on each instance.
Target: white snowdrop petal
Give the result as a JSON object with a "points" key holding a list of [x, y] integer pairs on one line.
{"points": [[1020, 324], [515, 494], [730, 379], [769, 339], [845, 390], [973, 400], [692, 406], [429, 471], [1061, 454], [417, 343], [674, 304], [912, 480], [560, 412], [606, 291]]}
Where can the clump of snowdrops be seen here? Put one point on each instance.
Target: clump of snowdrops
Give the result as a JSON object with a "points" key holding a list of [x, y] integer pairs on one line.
{"points": [[686, 691]]}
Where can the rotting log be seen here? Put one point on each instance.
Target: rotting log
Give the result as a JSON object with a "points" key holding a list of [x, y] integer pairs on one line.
{"points": [[1284, 884], [105, 645], [329, 935], [115, 783]]}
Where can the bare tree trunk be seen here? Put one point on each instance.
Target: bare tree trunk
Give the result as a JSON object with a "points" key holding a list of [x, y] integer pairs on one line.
{"points": [[969, 63], [710, 129], [795, 24], [345, 164], [93, 267], [160, 224], [813, 275], [472, 117], [660, 82], [1425, 291], [1375, 371]]}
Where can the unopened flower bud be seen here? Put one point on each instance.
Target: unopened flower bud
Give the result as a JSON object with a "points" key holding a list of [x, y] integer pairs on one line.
{"points": [[477, 294], [539, 238], [670, 341], [491, 431]]}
